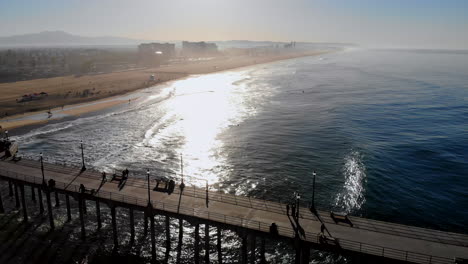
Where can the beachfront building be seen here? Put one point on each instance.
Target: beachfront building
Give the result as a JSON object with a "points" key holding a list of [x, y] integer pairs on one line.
{"points": [[155, 54], [199, 49]]}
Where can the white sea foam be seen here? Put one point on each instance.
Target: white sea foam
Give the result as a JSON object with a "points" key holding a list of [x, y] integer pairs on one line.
{"points": [[352, 196]]}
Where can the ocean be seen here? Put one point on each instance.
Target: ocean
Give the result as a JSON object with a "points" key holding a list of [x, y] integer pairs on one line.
{"points": [[385, 131]]}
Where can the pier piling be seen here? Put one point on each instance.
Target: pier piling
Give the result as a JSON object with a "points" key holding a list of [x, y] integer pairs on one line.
{"points": [[244, 249], [2, 209], [114, 227], [145, 223], [33, 194], [218, 245], [98, 215], [67, 201], [41, 203], [10, 188], [23, 204], [80, 210], [181, 236], [197, 242], [153, 239], [57, 201], [85, 209], [132, 226], [305, 253], [207, 243], [17, 202], [168, 240], [49, 209], [252, 249], [262, 251]]}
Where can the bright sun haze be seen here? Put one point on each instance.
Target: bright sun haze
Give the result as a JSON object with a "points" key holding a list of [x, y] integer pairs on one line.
{"points": [[416, 24]]}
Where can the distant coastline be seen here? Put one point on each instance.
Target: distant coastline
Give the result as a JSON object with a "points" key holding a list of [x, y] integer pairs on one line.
{"points": [[107, 88]]}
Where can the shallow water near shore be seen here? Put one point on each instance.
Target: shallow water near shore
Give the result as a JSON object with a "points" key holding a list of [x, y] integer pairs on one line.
{"points": [[385, 131]]}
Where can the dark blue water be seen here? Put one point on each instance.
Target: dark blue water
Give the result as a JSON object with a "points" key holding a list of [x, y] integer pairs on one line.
{"points": [[385, 130]]}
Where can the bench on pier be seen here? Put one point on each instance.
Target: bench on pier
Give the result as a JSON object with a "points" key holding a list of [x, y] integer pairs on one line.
{"points": [[331, 241], [340, 217], [83, 190]]}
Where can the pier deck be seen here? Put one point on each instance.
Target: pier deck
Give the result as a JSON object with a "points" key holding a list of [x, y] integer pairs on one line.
{"points": [[365, 236]]}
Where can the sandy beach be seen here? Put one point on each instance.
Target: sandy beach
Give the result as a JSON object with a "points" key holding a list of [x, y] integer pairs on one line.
{"points": [[72, 95]]}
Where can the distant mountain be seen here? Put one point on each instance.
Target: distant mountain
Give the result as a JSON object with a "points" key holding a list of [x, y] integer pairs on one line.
{"points": [[60, 38]]}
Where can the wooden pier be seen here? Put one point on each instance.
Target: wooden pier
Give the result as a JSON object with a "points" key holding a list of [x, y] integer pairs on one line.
{"points": [[251, 218]]}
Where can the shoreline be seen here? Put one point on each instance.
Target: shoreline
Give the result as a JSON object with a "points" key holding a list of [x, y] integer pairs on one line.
{"points": [[89, 105]]}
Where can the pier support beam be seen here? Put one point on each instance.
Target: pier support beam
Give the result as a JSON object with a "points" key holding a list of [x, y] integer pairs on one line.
{"points": [[67, 201], [197, 242], [57, 201], [244, 249], [23, 204], [218, 245], [207, 243], [262, 251], [252, 249], [33, 194], [168, 240], [49, 209], [85, 209], [17, 201], [181, 236], [80, 210], [98, 215], [132, 227], [153, 238], [41, 203], [145, 223], [2, 209], [10, 188], [305, 252], [297, 246], [114, 227]]}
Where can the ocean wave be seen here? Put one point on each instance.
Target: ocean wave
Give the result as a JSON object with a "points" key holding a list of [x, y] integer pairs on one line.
{"points": [[352, 196]]}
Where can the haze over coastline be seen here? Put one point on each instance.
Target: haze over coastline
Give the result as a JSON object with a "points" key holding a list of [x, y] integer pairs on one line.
{"points": [[413, 24], [233, 131]]}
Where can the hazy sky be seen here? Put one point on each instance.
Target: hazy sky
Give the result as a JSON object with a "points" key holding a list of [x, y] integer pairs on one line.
{"points": [[389, 23]]}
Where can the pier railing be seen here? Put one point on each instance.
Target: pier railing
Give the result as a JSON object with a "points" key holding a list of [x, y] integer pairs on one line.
{"points": [[346, 244]]}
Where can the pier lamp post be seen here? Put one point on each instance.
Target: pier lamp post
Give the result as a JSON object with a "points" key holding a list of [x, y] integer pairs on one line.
{"points": [[83, 167], [313, 192], [149, 193], [42, 170], [6, 134]]}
